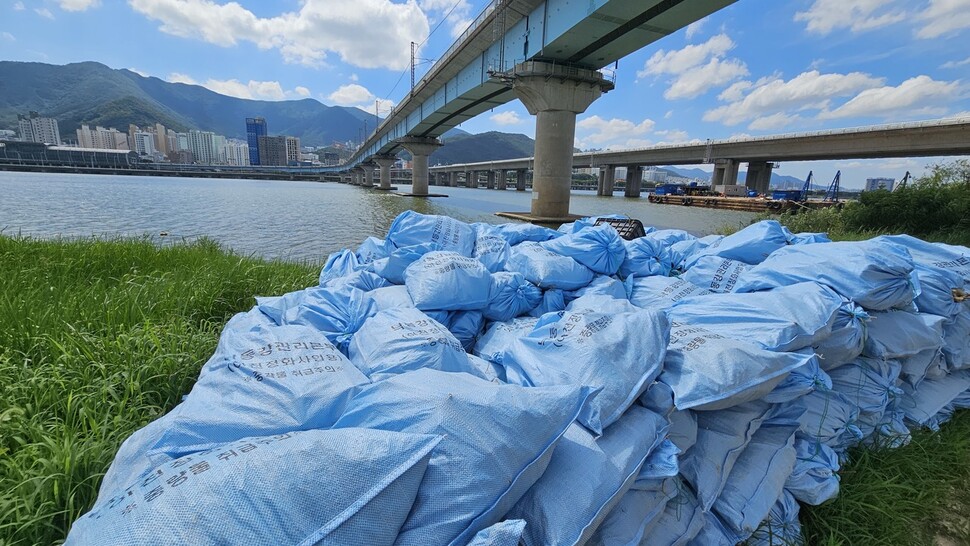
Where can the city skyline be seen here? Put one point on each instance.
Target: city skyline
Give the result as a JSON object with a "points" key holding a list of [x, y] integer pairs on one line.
{"points": [[754, 68]]}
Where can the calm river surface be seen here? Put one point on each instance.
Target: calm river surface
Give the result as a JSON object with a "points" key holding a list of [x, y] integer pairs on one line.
{"points": [[273, 219]]}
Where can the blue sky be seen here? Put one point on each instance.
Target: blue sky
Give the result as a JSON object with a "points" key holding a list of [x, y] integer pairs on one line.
{"points": [[758, 67]]}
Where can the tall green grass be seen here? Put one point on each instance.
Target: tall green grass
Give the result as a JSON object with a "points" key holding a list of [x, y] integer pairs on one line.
{"points": [[916, 495], [97, 338]]}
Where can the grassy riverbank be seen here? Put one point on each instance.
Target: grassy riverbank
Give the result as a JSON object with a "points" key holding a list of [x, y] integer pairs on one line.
{"points": [[99, 338], [96, 340]]}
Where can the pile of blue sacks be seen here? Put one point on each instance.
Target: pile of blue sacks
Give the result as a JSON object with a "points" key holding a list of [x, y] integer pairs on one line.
{"points": [[510, 384]]}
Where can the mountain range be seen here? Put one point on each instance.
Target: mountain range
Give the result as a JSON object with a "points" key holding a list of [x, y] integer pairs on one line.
{"points": [[93, 94]]}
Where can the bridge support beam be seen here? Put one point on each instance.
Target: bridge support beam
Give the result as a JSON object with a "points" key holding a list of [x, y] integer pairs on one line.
{"points": [[490, 180], [468, 179], [607, 180], [358, 177], [420, 149], [368, 169], [555, 94], [725, 173], [501, 183], [634, 179], [385, 162], [453, 179], [520, 179], [759, 176]]}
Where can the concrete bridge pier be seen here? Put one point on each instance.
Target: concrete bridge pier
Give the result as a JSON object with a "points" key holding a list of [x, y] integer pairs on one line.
{"points": [[501, 183], [606, 180], [420, 148], [555, 94], [490, 180], [520, 180], [759, 176], [368, 169], [468, 179], [385, 162], [634, 179], [358, 177], [453, 179], [725, 172]]}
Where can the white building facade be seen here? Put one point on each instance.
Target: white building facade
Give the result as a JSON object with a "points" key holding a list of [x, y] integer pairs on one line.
{"points": [[34, 128]]}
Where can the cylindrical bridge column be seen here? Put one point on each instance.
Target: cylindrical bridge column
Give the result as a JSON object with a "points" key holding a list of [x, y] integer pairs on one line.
{"points": [[634, 179], [420, 149], [385, 162], [555, 94]]}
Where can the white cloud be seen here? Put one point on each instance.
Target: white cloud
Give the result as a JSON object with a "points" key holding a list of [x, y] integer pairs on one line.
{"points": [[595, 131], [680, 60], [956, 64], [695, 27], [735, 91], [178, 77], [78, 5], [354, 77], [459, 27], [826, 16], [944, 17], [773, 122], [889, 164], [921, 94], [669, 114], [700, 79], [352, 95], [959, 115], [807, 91], [8, 37], [141, 73], [255, 90], [672, 136], [456, 14], [364, 33], [509, 117], [44, 12], [302, 91], [18, 6], [696, 68]]}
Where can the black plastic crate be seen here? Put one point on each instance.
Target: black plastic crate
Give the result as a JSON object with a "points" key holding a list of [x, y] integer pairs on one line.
{"points": [[628, 228]]}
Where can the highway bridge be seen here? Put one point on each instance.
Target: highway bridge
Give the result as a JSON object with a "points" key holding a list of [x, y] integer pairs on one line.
{"points": [[549, 54], [928, 138]]}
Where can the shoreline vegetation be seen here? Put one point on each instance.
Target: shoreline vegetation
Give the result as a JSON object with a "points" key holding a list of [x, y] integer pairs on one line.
{"points": [[935, 208], [100, 337]]}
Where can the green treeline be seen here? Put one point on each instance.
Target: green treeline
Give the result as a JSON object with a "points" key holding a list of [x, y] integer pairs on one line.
{"points": [[935, 207]]}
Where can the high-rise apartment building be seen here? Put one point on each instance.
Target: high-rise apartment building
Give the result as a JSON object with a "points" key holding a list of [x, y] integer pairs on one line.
{"points": [[202, 146], [272, 150], [255, 128], [218, 149], [873, 184], [161, 139], [144, 143], [102, 139], [292, 150], [34, 128], [237, 153]]}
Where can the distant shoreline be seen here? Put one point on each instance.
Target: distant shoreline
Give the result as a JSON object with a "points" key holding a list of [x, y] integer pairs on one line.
{"points": [[209, 173]]}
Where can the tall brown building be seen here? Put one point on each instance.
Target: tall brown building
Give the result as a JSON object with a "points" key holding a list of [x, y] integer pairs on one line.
{"points": [[272, 150]]}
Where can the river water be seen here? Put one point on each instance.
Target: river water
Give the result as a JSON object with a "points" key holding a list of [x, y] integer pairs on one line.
{"points": [[274, 219]]}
